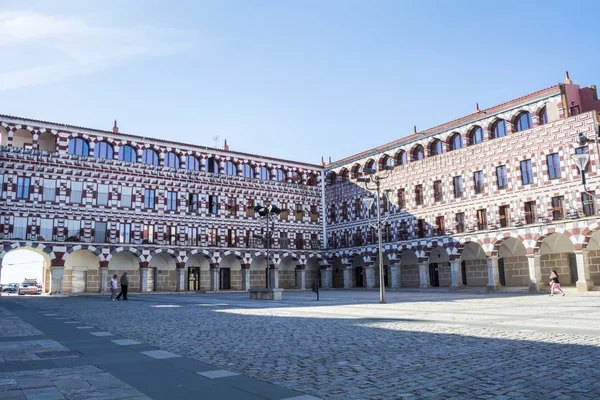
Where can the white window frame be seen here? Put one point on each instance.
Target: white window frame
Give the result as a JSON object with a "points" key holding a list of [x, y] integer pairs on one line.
{"points": [[102, 197], [20, 228], [126, 196], [47, 229], [76, 192]]}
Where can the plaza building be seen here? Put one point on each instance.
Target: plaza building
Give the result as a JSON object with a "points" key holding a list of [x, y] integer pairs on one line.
{"points": [[176, 216], [490, 199]]}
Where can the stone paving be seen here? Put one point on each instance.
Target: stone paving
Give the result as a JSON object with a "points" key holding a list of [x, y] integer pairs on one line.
{"points": [[440, 345], [10, 325]]}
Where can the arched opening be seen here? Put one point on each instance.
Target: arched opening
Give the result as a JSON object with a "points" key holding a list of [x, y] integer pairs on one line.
{"points": [[359, 278], [265, 173], [82, 272], [440, 273], [385, 162], [417, 153], [401, 158], [473, 264], [126, 261], [387, 272], [230, 169], [3, 136], [593, 257], [475, 135], [280, 175], [247, 171], [192, 163], [287, 272], [311, 180], [230, 273], [344, 175], [103, 150], [162, 273], [499, 129], [409, 269], [436, 147], [523, 122], [127, 154], [198, 272], [513, 267], [556, 252], [212, 165], [23, 138], [171, 160], [456, 142], [543, 116], [312, 272], [337, 273], [46, 142], [150, 157], [356, 171], [331, 178], [25, 263], [258, 272], [370, 164], [79, 147]]}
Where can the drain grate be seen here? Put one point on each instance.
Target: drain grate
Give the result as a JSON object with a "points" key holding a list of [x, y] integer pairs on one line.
{"points": [[58, 354]]}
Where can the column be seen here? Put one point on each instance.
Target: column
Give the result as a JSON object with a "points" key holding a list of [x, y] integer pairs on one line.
{"points": [[456, 273], [56, 279], [347, 277], [370, 272], [535, 272], [214, 278], [424, 275], [103, 276], [143, 279], [300, 277], [326, 277], [274, 277], [180, 284], [493, 273], [246, 277], [396, 276], [584, 282]]}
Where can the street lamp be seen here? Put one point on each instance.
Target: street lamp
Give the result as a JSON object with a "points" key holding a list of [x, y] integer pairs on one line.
{"points": [[266, 238], [368, 202]]}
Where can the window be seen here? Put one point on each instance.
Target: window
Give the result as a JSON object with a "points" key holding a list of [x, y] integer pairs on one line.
{"points": [[357, 171], [437, 190], [172, 232], [79, 147], [478, 182], [332, 178], [460, 222], [230, 169], [102, 198], [344, 175], [583, 150], [193, 202], [439, 226], [103, 150], [125, 233], [280, 175], [530, 212], [284, 211], [475, 136], [212, 166], [418, 153], [49, 190], [401, 158], [574, 110], [523, 122], [357, 208], [247, 171], [589, 205], [250, 208], [46, 229], [401, 200], [126, 194], [311, 180], [76, 192], [501, 177], [314, 213], [481, 219], [543, 115], [436, 148], [1, 184], [504, 212], [171, 201], [558, 211], [458, 186], [19, 228], [419, 195], [526, 172], [23, 185], [100, 232], [299, 212], [73, 228], [192, 163], [456, 141], [499, 129], [148, 233], [171, 160], [232, 206], [128, 154], [213, 205], [193, 236], [149, 198], [421, 228], [231, 238], [553, 161], [345, 210], [265, 174], [385, 162], [149, 157], [212, 236], [332, 213]]}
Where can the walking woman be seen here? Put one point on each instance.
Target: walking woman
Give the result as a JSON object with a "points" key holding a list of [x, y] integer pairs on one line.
{"points": [[554, 283], [113, 287]]}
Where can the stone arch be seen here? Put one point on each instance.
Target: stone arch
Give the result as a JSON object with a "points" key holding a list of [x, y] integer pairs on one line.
{"points": [[37, 247], [3, 136], [47, 141], [556, 253], [48, 259], [409, 268], [286, 270], [197, 265], [22, 137], [201, 252], [513, 266], [131, 250], [126, 259], [82, 270], [162, 271], [78, 247], [473, 264], [337, 272], [172, 252]]}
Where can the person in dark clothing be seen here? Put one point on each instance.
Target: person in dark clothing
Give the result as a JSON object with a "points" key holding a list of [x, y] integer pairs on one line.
{"points": [[554, 283], [124, 285]]}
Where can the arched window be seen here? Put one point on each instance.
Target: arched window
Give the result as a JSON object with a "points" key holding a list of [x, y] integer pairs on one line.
{"points": [[385, 162], [103, 150], [332, 178], [149, 157], [280, 175], [356, 171], [230, 168], [370, 164], [247, 171], [436, 148], [418, 153], [311, 180], [345, 175], [79, 147], [171, 160], [475, 135], [543, 116], [192, 163], [401, 158], [456, 141], [295, 177], [499, 129], [523, 122], [265, 174], [212, 165], [127, 153]]}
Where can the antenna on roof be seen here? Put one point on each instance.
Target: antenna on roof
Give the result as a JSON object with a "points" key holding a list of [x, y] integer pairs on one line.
{"points": [[477, 107], [567, 79], [216, 141], [415, 129]]}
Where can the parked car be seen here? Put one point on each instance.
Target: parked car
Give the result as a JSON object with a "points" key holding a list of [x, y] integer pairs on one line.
{"points": [[28, 287], [39, 285], [10, 288]]}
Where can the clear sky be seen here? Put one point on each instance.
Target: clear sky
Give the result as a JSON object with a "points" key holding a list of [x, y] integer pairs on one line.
{"points": [[290, 79]]}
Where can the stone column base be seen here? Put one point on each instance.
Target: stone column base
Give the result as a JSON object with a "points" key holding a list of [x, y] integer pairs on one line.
{"points": [[584, 286], [492, 288], [457, 286], [535, 287]]}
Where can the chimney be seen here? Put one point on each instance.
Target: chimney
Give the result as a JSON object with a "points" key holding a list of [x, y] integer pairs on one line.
{"points": [[115, 128], [477, 110], [414, 129], [225, 147], [329, 159], [322, 161], [568, 80]]}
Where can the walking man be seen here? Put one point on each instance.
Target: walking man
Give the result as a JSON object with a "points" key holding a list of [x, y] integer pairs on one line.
{"points": [[113, 287], [124, 285]]}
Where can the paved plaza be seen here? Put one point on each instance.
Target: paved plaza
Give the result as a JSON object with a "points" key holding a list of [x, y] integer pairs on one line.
{"points": [[422, 344]]}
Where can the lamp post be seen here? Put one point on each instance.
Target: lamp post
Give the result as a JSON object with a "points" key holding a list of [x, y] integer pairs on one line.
{"points": [[581, 160], [266, 238], [376, 179]]}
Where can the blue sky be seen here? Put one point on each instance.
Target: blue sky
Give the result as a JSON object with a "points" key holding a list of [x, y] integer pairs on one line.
{"points": [[290, 79]]}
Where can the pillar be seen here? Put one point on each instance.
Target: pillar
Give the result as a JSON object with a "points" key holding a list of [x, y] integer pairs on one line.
{"points": [[584, 282], [103, 276], [326, 277], [143, 279], [456, 273], [370, 272], [56, 279], [300, 278], [396, 276], [180, 284], [246, 277], [274, 277], [347, 277], [493, 273], [424, 275], [535, 272], [214, 278]]}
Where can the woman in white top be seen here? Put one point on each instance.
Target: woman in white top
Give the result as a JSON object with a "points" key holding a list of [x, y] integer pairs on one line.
{"points": [[113, 287]]}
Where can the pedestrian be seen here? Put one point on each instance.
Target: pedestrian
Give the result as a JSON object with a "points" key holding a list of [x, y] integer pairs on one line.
{"points": [[554, 283], [124, 285], [113, 287]]}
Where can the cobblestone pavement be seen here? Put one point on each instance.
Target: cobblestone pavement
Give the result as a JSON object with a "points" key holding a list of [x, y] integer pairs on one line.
{"points": [[438, 344], [13, 326]]}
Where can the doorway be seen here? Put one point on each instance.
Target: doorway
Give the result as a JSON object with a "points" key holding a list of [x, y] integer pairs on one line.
{"points": [[501, 272], [194, 278], [463, 272], [358, 271], [225, 278], [573, 268], [385, 276], [434, 278]]}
